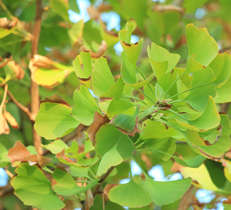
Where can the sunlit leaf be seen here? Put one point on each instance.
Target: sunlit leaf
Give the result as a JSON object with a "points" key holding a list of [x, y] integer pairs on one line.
{"points": [[85, 106]]}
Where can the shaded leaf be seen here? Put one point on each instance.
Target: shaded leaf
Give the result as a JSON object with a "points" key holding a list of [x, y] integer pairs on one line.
{"points": [[127, 124], [113, 146], [34, 189], [64, 184]]}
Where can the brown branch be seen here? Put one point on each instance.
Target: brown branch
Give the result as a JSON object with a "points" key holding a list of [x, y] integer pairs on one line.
{"points": [[186, 200], [97, 189], [34, 87], [19, 105], [224, 49]]}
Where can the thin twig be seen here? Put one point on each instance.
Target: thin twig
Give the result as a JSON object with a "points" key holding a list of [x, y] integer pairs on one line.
{"points": [[19, 105], [34, 87], [4, 97], [6, 10], [8, 172], [186, 200], [97, 189], [224, 49]]}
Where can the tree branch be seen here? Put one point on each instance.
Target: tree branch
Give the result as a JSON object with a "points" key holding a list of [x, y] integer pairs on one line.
{"points": [[97, 189], [224, 49], [19, 105], [34, 87]]}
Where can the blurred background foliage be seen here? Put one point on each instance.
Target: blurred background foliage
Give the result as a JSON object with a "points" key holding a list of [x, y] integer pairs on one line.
{"points": [[70, 26]]}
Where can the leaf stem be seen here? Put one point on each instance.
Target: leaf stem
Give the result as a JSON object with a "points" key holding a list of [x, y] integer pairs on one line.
{"points": [[97, 188], [138, 99], [146, 95], [190, 90], [6, 10], [19, 105]]}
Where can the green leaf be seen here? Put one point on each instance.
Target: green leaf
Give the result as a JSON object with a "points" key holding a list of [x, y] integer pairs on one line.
{"points": [[5, 32], [221, 67], [118, 106], [204, 87], [56, 146], [163, 21], [113, 146], [191, 6], [209, 119], [102, 78], [192, 163], [76, 32], [74, 6], [222, 143], [54, 120], [109, 37], [161, 60], [126, 122], [201, 46], [82, 65], [34, 189], [165, 145], [4, 160], [192, 65], [116, 90], [128, 73], [61, 8], [85, 106], [223, 91], [163, 193], [156, 130], [132, 51], [65, 184], [131, 194]]}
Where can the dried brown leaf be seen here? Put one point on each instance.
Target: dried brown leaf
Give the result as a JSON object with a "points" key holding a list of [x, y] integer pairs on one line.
{"points": [[18, 152], [4, 128], [4, 61], [63, 156], [11, 120], [34, 159], [19, 72], [102, 49], [55, 99], [93, 13], [98, 121], [166, 8], [89, 199]]}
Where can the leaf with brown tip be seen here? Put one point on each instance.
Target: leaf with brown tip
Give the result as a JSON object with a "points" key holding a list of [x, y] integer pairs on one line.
{"points": [[98, 121]]}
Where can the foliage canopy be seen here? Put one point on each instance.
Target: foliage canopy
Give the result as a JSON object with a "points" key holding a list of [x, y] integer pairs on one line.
{"points": [[164, 100]]}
